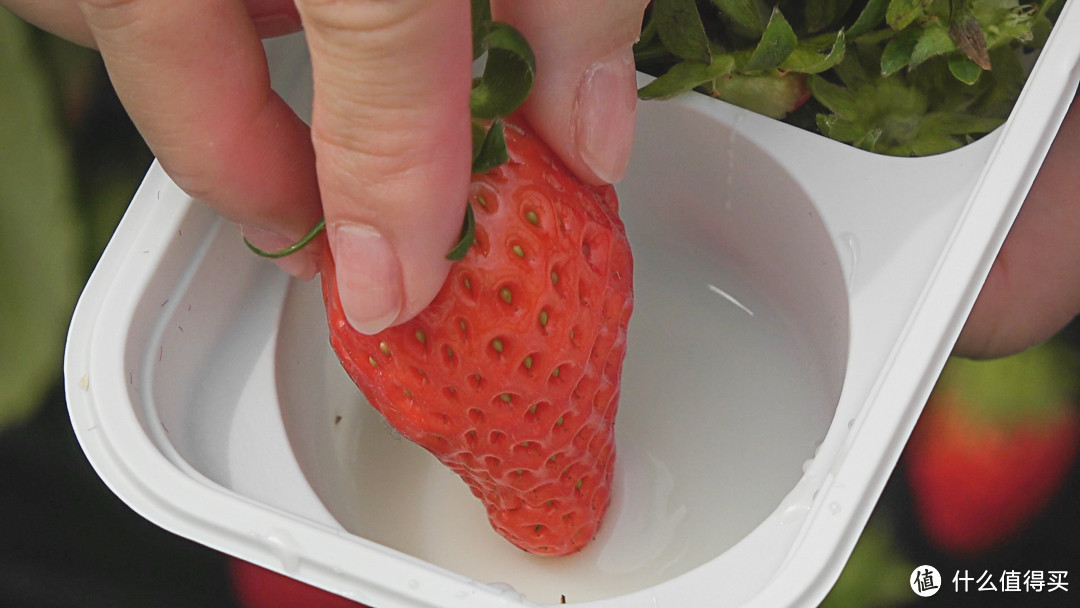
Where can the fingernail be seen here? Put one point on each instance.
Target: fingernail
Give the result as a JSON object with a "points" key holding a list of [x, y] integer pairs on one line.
{"points": [[302, 264], [368, 276], [604, 115]]}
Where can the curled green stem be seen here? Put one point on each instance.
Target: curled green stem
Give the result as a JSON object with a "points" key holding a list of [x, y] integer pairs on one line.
{"points": [[291, 249]]}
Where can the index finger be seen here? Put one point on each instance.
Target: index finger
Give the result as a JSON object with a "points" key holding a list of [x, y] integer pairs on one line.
{"points": [[193, 77]]}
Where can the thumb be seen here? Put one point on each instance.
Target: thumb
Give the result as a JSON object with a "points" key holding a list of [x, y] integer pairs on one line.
{"points": [[390, 129], [584, 100]]}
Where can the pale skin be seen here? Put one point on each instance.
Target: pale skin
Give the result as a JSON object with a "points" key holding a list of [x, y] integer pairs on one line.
{"points": [[386, 159]]}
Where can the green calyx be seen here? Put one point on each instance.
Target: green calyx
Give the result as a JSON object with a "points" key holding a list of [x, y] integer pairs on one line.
{"points": [[507, 79]]}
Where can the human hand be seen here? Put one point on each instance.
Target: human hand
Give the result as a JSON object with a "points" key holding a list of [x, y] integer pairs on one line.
{"points": [[1033, 289], [386, 160]]}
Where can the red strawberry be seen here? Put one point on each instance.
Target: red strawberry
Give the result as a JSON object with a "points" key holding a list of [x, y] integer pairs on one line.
{"points": [[992, 448], [257, 587], [510, 376]]}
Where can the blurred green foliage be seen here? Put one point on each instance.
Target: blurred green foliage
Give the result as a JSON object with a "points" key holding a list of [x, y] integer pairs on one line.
{"points": [[877, 572], [68, 165]]}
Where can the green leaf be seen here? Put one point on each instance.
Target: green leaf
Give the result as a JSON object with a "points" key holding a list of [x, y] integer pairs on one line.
{"points": [[808, 61], [508, 74], [933, 41], [840, 129], [877, 572], [40, 236], [481, 19], [468, 236], [870, 141], [1004, 22], [778, 41], [492, 150], [897, 53], [869, 18], [839, 100], [679, 26], [820, 14], [746, 16], [686, 76], [927, 144], [964, 69], [960, 123], [902, 13]]}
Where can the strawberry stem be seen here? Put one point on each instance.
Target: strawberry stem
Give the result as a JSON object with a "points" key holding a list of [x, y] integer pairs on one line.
{"points": [[291, 249]]}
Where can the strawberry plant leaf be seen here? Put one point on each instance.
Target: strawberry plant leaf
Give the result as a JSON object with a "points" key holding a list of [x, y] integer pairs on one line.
{"points": [[926, 144], [902, 13], [1005, 21], [748, 17], [960, 123], [809, 61], [897, 52], [964, 69], [41, 238], [492, 150], [679, 26], [869, 18], [776, 44], [508, 73], [837, 99], [481, 17], [869, 141], [895, 66], [686, 76], [933, 41]]}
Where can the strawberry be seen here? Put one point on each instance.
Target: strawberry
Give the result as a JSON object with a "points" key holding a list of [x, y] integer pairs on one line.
{"points": [[510, 377], [257, 587], [992, 448]]}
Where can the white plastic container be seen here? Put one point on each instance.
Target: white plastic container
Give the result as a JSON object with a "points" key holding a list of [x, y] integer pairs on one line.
{"points": [[790, 322]]}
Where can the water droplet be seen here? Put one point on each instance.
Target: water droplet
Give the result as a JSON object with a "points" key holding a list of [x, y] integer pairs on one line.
{"points": [[834, 508]]}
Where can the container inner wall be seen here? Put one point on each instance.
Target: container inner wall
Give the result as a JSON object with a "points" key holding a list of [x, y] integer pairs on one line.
{"points": [[736, 358]]}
